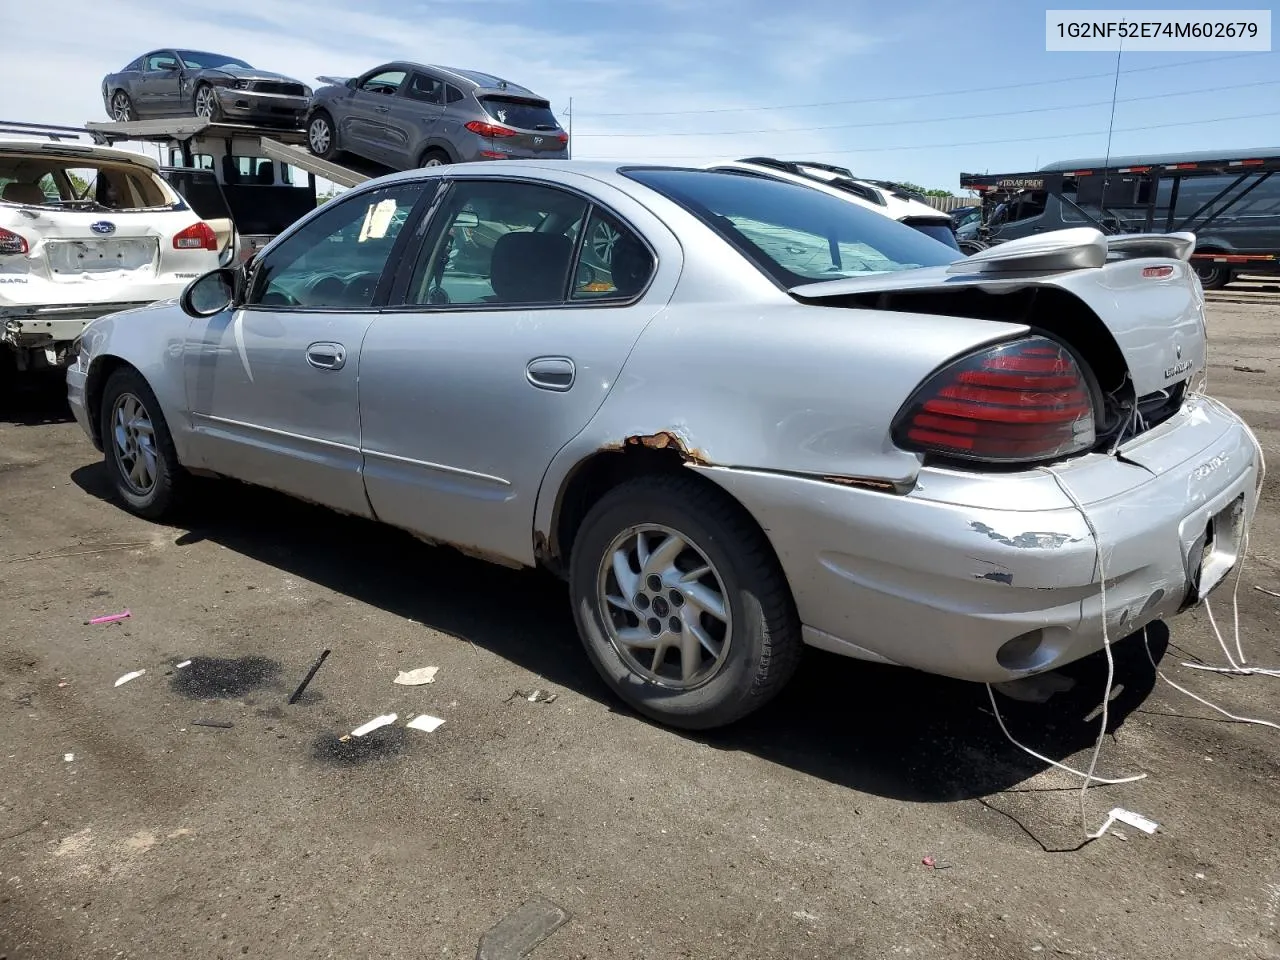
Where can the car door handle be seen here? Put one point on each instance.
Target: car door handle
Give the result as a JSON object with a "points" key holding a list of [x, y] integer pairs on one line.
{"points": [[551, 373], [382, 109], [327, 356]]}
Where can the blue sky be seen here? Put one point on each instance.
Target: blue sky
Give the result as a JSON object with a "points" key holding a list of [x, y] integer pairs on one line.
{"points": [[700, 80]]}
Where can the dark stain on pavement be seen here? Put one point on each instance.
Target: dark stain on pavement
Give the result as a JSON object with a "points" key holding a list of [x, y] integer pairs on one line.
{"points": [[382, 744], [216, 678]]}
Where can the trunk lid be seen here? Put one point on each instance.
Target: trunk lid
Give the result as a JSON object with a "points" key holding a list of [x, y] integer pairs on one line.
{"points": [[1141, 287], [74, 245]]}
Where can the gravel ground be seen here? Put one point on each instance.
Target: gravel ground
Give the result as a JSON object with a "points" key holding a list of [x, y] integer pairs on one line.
{"points": [[129, 830]]}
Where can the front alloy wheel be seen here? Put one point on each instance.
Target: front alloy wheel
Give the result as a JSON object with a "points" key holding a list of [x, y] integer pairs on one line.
{"points": [[320, 136], [137, 447], [134, 437], [207, 103]]}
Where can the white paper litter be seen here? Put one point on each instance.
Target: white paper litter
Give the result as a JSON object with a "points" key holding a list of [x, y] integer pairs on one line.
{"points": [[68, 757], [130, 676], [184, 663], [1136, 820], [413, 678], [424, 723], [374, 724]]}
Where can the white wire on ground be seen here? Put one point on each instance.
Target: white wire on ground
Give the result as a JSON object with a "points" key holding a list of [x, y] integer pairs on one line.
{"points": [[1197, 697], [1089, 777]]}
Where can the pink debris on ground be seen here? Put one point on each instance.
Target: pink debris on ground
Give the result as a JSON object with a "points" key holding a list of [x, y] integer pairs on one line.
{"points": [[112, 617]]}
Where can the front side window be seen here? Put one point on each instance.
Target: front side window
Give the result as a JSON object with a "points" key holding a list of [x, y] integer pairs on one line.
{"points": [[500, 243], [795, 234], [336, 260], [161, 61], [386, 82]]}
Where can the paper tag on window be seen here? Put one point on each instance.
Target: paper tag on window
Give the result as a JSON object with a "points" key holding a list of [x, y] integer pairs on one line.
{"points": [[377, 220]]}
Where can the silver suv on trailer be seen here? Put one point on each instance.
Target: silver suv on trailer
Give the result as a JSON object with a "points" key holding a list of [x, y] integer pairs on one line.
{"points": [[408, 115]]}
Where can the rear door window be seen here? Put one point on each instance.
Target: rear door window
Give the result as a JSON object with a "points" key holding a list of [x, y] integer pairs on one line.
{"points": [[424, 89], [525, 114]]}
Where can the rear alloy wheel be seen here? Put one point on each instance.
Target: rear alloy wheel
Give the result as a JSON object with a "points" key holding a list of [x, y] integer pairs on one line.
{"points": [[1213, 276], [206, 103], [603, 240], [121, 107], [435, 157], [137, 447], [681, 603], [320, 139]]}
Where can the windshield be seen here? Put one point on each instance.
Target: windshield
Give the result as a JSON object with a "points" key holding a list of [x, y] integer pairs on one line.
{"points": [[796, 234], [209, 61]]}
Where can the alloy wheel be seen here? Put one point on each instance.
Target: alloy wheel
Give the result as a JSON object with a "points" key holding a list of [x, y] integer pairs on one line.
{"points": [[319, 136], [665, 606], [205, 102], [121, 108], [135, 443]]}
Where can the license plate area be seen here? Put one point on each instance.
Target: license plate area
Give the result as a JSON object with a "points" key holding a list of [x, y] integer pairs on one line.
{"points": [[1217, 550], [71, 258]]}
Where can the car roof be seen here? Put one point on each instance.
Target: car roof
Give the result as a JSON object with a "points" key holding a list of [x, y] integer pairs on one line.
{"points": [[72, 151], [473, 79]]}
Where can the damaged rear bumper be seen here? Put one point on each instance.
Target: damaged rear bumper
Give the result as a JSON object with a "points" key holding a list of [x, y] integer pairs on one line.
{"points": [[993, 577]]}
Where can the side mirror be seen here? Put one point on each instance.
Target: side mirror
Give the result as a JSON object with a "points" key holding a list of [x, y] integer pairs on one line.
{"points": [[168, 65], [211, 294], [351, 82]]}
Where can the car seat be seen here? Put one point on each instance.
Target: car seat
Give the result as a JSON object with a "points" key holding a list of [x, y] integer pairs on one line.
{"points": [[530, 267], [27, 193]]}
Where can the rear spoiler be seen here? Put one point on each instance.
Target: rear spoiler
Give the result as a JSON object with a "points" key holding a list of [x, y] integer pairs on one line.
{"points": [[1079, 248]]}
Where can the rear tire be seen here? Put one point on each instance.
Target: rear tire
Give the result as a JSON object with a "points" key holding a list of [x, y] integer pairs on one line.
{"points": [[322, 138], [433, 157], [1213, 276], [138, 449], [733, 671]]}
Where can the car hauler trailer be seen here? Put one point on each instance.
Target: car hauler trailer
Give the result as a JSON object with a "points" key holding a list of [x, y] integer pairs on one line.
{"points": [[264, 180], [1230, 201]]}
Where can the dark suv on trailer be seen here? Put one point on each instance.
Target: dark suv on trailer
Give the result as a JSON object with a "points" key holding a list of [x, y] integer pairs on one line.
{"points": [[407, 115]]}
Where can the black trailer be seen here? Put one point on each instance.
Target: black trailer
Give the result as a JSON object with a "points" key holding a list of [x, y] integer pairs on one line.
{"points": [[1231, 202]]}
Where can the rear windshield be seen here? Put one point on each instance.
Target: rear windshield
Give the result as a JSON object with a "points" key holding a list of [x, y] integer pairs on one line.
{"points": [[526, 114], [81, 184], [938, 229], [796, 234]]}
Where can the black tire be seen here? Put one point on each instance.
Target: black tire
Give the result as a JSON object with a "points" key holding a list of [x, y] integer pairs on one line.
{"points": [[215, 108], [165, 494], [765, 643], [1213, 276], [317, 121], [122, 103], [433, 157]]}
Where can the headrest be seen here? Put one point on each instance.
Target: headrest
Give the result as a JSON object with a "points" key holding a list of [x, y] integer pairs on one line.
{"points": [[530, 267]]}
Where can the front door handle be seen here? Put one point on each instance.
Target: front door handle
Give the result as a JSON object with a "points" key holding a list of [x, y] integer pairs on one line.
{"points": [[383, 109], [551, 373], [327, 356]]}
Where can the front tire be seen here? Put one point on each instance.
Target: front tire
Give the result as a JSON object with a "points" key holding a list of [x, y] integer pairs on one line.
{"points": [[206, 103], [138, 449], [681, 603], [321, 138], [122, 107]]}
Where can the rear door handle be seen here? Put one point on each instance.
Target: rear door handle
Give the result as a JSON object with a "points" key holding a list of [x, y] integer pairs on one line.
{"points": [[327, 356], [383, 109], [551, 373]]}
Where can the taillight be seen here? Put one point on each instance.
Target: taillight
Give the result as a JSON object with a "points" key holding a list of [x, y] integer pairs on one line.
{"points": [[489, 129], [1019, 402], [12, 243], [563, 137], [198, 236]]}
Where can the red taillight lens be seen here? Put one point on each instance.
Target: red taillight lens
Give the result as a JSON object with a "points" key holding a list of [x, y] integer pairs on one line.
{"points": [[489, 129], [1017, 403], [12, 243], [563, 137], [198, 236]]}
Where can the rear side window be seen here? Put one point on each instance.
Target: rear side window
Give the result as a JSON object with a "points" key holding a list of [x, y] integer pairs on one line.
{"points": [[526, 114], [452, 94], [794, 234]]}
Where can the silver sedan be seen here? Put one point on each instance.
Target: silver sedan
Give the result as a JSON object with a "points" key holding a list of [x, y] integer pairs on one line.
{"points": [[757, 418]]}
